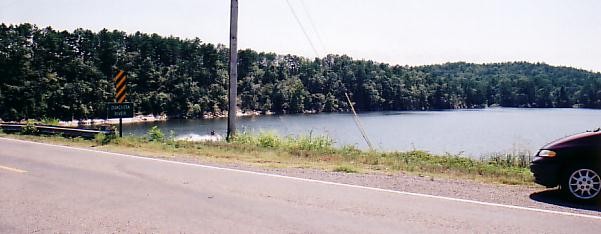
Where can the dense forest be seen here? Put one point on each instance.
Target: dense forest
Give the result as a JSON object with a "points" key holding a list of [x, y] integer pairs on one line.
{"points": [[68, 75]]}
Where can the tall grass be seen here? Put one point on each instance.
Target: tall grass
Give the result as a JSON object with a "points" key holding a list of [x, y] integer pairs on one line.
{"points": [[272, 140], [509, 168], [517, 158]]}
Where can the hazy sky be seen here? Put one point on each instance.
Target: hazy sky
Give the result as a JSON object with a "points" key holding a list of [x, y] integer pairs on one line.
{"points": [[411, 32]]}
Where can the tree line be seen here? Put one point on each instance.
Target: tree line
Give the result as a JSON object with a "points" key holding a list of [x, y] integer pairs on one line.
{"points": [[46, 73]]}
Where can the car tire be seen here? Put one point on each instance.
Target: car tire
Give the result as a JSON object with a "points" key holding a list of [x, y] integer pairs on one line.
{"points": [[582, 182]]}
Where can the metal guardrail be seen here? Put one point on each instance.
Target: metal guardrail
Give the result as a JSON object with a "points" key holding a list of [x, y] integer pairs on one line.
{"points": [[65, 131]]}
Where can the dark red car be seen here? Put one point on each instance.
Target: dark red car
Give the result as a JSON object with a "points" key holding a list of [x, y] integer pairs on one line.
{"points": [[573, 164]]}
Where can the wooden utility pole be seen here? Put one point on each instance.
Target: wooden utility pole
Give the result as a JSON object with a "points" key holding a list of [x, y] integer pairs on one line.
{"points": [[231, 116]]}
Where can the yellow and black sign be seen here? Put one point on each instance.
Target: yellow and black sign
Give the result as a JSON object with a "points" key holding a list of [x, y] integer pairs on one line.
{"points": [[120, 86]]}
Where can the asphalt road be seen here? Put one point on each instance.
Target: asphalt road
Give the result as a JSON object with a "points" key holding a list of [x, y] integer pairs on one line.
{"points": [[52, 189]]}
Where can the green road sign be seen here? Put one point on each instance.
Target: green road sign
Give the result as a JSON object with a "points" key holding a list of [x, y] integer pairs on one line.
{"points": [[120, 110]]}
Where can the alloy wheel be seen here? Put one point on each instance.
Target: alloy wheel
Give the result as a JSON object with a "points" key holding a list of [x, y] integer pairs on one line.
{"points": [[584, 183]]}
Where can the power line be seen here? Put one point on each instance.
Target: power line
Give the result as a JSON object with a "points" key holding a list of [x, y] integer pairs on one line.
{"points": [[302, 28], [304, 7]]}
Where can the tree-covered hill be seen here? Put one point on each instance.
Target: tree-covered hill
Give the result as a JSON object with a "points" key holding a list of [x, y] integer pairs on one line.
{"points": [[49, 73]]}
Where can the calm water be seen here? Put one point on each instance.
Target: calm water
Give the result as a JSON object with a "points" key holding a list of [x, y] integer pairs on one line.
{"points": [[468, 132]]}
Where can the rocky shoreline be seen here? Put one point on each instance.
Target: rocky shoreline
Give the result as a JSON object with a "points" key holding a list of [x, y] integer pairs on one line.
{"points": [[153, 118], [135, 119]]}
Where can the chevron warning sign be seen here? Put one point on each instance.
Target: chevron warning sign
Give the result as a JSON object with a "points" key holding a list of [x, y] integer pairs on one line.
{"points": [[120, 86]]}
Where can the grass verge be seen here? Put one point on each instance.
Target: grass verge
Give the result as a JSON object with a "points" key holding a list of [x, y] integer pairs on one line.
{"points": [[315, 152]]}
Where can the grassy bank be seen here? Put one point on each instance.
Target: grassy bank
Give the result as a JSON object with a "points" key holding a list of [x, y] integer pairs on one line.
{"points": [[315, 152]]}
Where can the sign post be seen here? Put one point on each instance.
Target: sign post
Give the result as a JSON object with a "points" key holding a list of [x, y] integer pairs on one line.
{"points": [[120, 109]]}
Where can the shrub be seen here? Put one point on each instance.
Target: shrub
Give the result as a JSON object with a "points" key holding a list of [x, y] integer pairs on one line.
{"points": [[29, 128], [155, 134]]}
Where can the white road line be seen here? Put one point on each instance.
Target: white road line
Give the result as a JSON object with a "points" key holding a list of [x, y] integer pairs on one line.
{"points": [[326, 182], [12, 169]]}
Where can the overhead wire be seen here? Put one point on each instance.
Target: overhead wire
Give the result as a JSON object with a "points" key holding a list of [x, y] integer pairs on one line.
{"points": [[312, 24], [302, 28], [355, 116]]}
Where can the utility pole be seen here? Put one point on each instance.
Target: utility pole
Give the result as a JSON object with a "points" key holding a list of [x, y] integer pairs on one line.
{"points": [[233, 93]]}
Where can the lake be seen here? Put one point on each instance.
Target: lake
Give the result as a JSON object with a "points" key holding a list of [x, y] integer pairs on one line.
{"points": [[473, 133]]}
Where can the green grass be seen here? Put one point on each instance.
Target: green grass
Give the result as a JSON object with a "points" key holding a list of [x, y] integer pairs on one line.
{"points": [[316, 152], [345, 169]]}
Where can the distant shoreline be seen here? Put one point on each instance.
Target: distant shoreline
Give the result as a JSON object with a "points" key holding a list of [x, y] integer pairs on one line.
{"points": [[162, 118]]}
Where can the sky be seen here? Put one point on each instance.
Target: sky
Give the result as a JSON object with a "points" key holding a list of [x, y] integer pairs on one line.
{"points": [[404, 32]]}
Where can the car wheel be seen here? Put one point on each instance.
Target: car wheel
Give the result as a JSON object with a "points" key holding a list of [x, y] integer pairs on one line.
{"points": [[582, 182]]}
